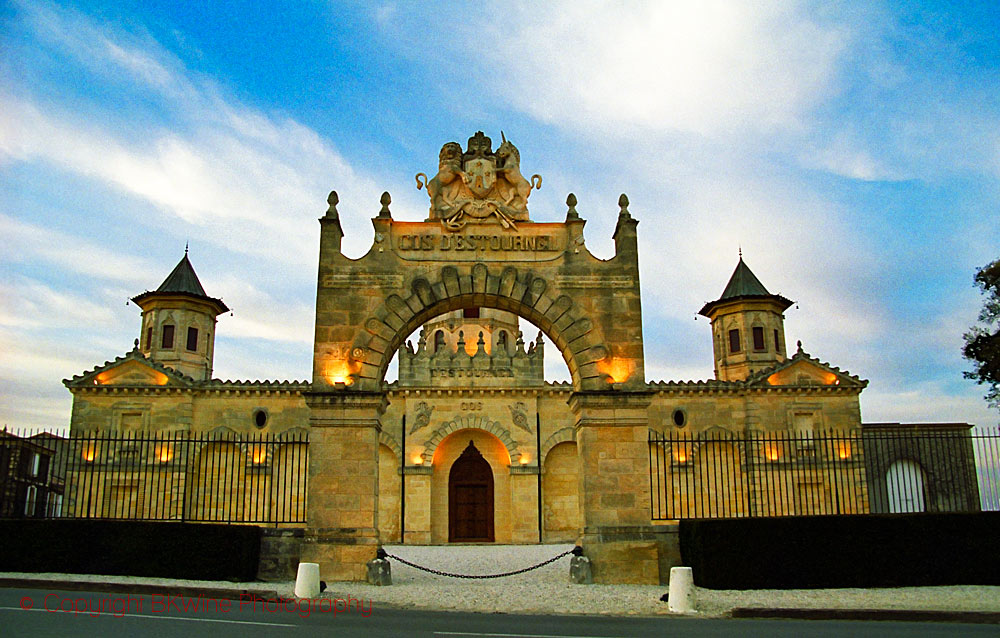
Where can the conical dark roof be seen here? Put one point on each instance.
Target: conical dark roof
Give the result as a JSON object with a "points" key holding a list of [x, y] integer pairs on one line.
{"points": [[182, 280], [744, 285]]}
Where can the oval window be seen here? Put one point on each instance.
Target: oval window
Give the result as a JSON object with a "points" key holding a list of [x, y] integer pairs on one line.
{"points": [[260, 418], [679, 418]]}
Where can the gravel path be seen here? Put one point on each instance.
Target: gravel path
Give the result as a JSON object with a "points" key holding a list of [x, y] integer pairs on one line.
{"points": [[548, 590]]}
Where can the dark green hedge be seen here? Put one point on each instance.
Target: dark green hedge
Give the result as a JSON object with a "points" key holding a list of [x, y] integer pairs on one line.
{"points": [[132, 548], [877, 550]]}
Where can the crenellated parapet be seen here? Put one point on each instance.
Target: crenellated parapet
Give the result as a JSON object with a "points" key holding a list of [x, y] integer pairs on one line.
{"points": [[501, 366]]}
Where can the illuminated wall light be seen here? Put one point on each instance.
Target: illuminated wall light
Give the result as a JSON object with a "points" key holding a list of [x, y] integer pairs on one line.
{"points": [[617, 369], [418, 460], [844, 450], [258, 454], [772, 453], [339, 372], [681, 455], [165, 454], [89, 453], [524, 459]]}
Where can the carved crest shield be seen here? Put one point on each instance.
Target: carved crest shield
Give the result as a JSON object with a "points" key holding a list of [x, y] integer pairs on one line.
{"points": [[480, 176]]}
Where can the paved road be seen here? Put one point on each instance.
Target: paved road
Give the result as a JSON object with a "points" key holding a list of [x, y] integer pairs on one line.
{"points": [[67, 614]]}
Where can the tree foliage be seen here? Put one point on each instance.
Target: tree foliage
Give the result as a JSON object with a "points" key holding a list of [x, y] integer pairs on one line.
{"points": [[982, 341]]}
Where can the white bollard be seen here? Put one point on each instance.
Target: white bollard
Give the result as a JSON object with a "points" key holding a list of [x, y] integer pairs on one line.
{"points": [[307, 580], [681, 585]]}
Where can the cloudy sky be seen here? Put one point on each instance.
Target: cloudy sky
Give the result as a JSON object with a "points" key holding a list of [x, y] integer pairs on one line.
{"points": [[853, 152]]}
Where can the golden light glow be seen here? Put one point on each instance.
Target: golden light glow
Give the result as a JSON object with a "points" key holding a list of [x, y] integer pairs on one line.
{"points": [[340, 372], [165, 453], [772, 453], [616, 368], [680, 454], [89, 453], [844, 450], [106, 377], [524, 459], [774, 379], [418, 460], [258, 454]]}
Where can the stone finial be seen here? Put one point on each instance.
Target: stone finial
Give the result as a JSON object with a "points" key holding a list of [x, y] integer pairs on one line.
{"points": [[422, 340], [571, 207], [623, 203], [798, 345], [333, 199], [461, 341], [538, 340], [520, 341], [385, 200], [135, 344]]}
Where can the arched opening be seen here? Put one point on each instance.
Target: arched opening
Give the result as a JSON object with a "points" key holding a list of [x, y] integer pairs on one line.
{"points": [[905, 483], [438, 340], [470, 498]]}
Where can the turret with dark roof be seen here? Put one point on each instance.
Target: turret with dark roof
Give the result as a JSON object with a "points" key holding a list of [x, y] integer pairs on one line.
{"points": [[178, 322], [748, 332]]}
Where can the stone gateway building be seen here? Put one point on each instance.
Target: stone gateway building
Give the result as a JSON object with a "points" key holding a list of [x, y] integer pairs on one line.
{"points": [[471, 444]]}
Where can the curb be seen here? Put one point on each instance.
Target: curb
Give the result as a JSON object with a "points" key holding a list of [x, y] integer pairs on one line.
{"points": [[896, 615], [139, 588]]}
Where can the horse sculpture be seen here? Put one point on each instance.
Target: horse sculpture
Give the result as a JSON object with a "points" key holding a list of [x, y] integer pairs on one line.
{"points": [[515, 195]]}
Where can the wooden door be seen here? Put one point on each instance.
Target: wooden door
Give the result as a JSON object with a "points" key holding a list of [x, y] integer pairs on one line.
{"points": [[470, 498]]}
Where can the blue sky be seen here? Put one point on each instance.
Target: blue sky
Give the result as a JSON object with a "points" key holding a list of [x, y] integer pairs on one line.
{"points": [[853, 152]]}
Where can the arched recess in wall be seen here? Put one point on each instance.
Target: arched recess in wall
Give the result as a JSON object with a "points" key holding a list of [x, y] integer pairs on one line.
{"points": [[905, 482]]}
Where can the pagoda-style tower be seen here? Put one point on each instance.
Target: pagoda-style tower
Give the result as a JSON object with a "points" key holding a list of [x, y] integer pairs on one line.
{"points": [[748, 330], [178, 323]]}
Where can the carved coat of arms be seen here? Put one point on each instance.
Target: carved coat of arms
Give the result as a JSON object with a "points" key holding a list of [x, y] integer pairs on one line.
{"points": [[479, 184]]}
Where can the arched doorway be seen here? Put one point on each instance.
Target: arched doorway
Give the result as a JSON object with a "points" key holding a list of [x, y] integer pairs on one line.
{"points": [[905, 481], [470, 498]]}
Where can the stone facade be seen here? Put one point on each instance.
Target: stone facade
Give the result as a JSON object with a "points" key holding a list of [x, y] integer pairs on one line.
{"points": [[566, 461]]}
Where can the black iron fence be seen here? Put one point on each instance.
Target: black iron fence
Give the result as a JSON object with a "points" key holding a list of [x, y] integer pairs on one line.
{"points": [[720, 474], [222, 478]]}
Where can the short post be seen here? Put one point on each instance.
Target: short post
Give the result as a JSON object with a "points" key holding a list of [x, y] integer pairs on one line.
{"points": [[681, 584], [307, 580]]}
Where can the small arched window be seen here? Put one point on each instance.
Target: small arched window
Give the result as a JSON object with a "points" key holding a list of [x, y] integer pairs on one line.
{"points": [[502, 340], [438, 340]]}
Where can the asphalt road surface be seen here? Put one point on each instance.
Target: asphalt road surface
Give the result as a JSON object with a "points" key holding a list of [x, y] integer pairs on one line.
{"points": [[37, 613]]}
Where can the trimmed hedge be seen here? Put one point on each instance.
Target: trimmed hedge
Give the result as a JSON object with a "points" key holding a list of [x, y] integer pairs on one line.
{"points": [[131, 548], [873, 550]]}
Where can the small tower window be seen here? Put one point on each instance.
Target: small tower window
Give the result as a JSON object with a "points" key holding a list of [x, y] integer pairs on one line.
{"points": [[438, 340], [192, 342], [758, 338], [734, 340], [167, 342], [777, 346], [149, 338], [470, 313]]}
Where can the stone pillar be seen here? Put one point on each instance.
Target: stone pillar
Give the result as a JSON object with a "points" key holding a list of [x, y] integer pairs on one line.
{"points": [[342, 535], [418, 504], [612, 434]]}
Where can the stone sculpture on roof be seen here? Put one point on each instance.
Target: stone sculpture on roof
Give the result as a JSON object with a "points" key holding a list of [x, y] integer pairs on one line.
{"points": [[479, 185]]}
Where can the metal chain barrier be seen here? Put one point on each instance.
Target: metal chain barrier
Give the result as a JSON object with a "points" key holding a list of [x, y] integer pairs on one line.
{"points": [[576, 551]]}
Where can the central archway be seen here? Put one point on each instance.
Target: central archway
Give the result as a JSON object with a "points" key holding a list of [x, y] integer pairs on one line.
{"points": [[470, 499]]}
